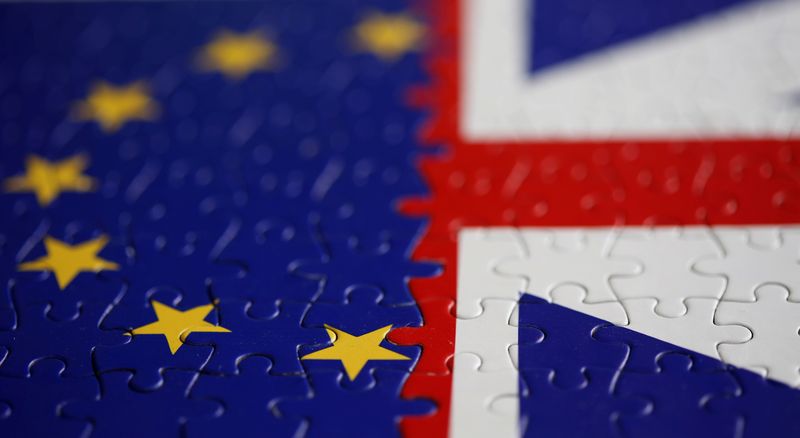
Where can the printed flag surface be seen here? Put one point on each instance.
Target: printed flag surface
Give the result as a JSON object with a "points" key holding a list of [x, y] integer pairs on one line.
{"points": [[378, 218]]}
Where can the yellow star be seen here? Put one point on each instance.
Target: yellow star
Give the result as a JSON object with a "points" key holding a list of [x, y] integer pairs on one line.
{"points": [[355, 351], [112, 106], [48, 179], [389, 36], [237, 55], [67, 261], [176, 325]]}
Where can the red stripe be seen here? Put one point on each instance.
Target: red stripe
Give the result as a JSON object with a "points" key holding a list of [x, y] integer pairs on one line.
{"points": [[564, 183]]}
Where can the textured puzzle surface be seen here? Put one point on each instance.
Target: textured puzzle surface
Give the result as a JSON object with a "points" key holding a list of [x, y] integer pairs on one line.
{"points": [[271, 218]]}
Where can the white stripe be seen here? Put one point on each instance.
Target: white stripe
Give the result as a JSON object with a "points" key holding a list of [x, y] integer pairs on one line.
{"points": [[732, 293], [735, 74]]}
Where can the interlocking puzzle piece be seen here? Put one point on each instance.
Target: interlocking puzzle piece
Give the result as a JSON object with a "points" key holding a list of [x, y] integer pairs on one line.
{"points": [[362, 310], [665, 258], [477, 278], [163, 411], [276, 336], [370, 411], [775, 325], [495, 350], [248, 400], [146, 356], [342, 264], [473, 392], [262, 252], [763, 407], [548, 264], [593, 405], [63, 274], [561, 340], [40, 396], [749, 261], [436, 335], [688, 390], [696, 331], [73, 341]]}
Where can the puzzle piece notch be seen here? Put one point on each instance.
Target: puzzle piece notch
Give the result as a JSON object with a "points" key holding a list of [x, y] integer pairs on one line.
{"points": [[159, 412], [436, 335], [560, 340], [276, 337], [547, 264], [697, 330], [775, 325], [72, 341], [495, 350], [247, 399], [479, 251], [542, 404], [46, 388], [665, 258], [763, 407], [676, 389], [381, 400], [473, 393], [747, 262]]}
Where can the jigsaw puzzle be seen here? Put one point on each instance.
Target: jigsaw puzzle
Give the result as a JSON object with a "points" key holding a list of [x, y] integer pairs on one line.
{"points": [[458, 218]]}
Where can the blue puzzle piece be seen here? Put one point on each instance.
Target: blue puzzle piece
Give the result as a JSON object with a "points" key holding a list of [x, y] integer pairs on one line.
{"points": [[552, 337], [147, 356], [543, 405], [156, 413], [763, 407], [247, 399], [343, 264], [373, 411], [277, 337], [45, 390], [72, 341], [677, 391], [263, 250], [362, 311]]}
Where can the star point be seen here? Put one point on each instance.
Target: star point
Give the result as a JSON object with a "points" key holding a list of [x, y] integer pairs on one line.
{"points": [[355, 351], [175, 325], [47, 179], [237, 55], [112, 106], [389, 36], [67, 261]]}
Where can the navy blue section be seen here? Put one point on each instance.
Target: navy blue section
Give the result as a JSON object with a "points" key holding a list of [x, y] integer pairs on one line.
{"points": [[659, 389], [266, 196], [561, 31], [250, 413], [334, 410], [45, 389]]}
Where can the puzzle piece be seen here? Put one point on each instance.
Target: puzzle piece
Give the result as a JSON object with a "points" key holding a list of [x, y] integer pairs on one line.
{"points": [[696, 331], [376, 401], [688, 391], [160, 412], [746, 264], [47, 389], [247, 400], [72, 341], [775, 325], [665, 258], [547, 264], [474, 390], [277, 337], [565, 343], [542, 404], [763, 407]]}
